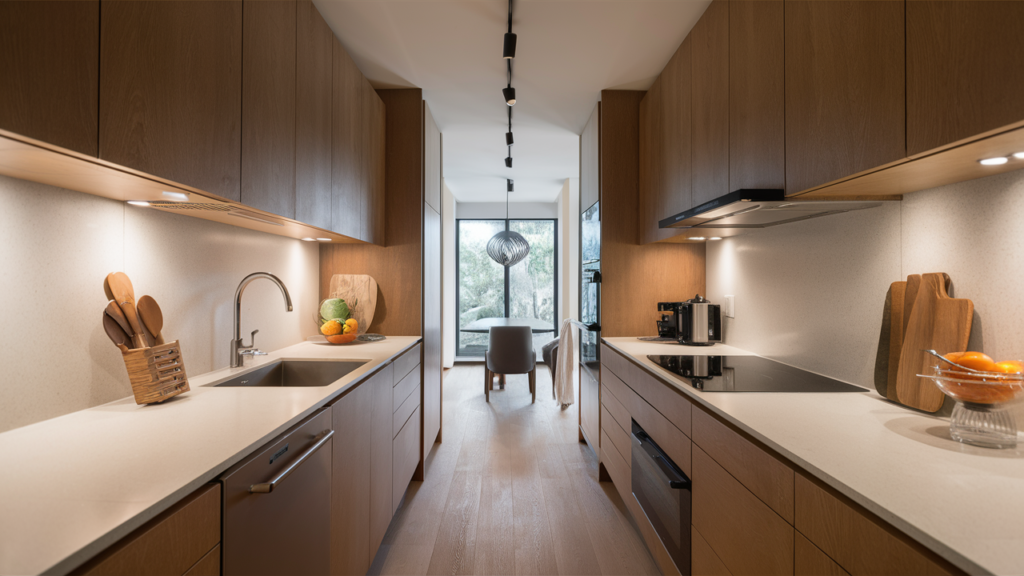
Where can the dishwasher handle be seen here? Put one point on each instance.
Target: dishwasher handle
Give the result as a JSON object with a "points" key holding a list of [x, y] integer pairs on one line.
{"points": [[268, 487], [674, 478]]}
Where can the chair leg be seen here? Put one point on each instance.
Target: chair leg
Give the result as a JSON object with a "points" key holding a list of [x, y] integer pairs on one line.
{"points": [[533, 384], [501, 381], [487, 384]]}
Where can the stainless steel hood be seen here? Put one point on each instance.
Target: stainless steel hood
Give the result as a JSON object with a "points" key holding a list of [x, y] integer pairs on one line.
{"points": [[746, 209]]}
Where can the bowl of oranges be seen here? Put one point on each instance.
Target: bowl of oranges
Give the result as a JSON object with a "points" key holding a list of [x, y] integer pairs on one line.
{"points": [[984, 390]]}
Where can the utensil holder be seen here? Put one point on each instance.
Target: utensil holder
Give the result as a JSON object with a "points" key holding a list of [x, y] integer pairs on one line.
{"points": [[156, 373]]}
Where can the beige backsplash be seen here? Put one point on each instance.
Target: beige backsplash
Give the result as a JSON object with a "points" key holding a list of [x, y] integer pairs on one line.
{"points": [[56, 246], [811, 294]]}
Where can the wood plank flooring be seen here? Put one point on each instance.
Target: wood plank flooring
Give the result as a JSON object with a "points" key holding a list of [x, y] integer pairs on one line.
{"points": [[510, 491]]}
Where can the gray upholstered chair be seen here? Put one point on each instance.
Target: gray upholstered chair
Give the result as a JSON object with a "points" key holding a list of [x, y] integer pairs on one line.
{"points": [[510, 351]]}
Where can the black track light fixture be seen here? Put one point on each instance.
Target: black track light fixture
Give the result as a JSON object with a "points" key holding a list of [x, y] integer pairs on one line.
{"points": [[510, 187], [510, 95], [508, 161], [508, 48], [508, 139]]}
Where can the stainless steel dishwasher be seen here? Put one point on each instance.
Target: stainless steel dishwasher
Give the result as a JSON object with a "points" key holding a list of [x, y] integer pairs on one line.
{"points": [[277, 504]]}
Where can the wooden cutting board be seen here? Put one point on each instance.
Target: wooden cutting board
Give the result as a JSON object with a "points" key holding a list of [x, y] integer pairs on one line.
{"points": [[935, 322], [897, 309], [360, 290]]}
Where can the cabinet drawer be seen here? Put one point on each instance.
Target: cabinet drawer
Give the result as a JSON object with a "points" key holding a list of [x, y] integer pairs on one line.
{"points": [[406, 362], [703, 560], [857, 540], [614, 432], [171, 543], [610, 399], [208, 565], [810, 561], [617, 466], [764, 475], [671, 403], [745, 533], [405, 387], [407, 457], [412, 402]]}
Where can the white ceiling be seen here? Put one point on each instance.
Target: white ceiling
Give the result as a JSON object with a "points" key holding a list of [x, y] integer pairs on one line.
{"points": [[568, 51]]}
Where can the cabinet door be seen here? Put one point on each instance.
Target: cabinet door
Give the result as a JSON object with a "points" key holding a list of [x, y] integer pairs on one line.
{"points": [[757, 105], [382, 435], [845, 104], [710, 152], [171, 91], [372, 168], [350, 494], [650, 163], [346, 208], [963, 70], [432, 369], [49, 62], [313, 53], [675, 190], [590, 409], [268, 106]]}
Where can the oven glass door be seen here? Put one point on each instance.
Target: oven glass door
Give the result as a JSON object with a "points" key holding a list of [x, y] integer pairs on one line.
{"points": [[663, 491]]}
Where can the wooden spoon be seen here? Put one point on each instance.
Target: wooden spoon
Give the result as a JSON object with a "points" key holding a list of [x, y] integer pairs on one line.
{"points": [[124, 295], [114, 311], [115, 333], [152, 317]]}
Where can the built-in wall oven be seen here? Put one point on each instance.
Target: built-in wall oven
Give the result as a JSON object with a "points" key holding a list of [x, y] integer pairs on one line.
{"points": [[663, 491], [590, 290]]}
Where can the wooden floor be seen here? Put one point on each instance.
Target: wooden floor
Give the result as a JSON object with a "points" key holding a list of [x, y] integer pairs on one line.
{"points": [[510, 491]]}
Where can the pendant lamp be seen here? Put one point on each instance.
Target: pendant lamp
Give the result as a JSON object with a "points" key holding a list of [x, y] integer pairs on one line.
{"points": [[508, 248]]}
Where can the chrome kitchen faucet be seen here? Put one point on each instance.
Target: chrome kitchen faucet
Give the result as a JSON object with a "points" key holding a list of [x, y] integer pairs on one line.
{"points": [[238, 350]]}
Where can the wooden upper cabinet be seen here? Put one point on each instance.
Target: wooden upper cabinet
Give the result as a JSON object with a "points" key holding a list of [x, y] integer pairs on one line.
{"points": [[590, 160], [371, 183], [171, 91], [710, 144], [49, 63], [313, 53], [346, 208], [268, 106], [650, 159], [845, 96], [964, 76], [757, 105]]}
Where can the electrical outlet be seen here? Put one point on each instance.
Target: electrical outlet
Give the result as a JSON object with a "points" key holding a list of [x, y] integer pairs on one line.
{"points": [[730, 306]]}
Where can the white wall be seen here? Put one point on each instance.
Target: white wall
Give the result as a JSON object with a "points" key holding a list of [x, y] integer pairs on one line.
{"points": [[515, 210], [812, 293], [569, 249], [57, 246], [450, 309]]}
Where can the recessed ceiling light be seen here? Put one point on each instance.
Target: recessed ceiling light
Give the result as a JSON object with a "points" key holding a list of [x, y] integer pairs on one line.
{"points": [[309, 239], [1018, 155], [175, 196], [323, 239], [993, 161], [138, 203], [697, 238], [715, 238]]}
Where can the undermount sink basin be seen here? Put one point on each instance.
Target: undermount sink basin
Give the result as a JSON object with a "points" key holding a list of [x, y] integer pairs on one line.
{"points": [[295, 373]]}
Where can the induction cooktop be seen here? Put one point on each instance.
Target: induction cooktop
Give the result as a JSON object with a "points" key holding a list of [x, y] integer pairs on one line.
{"points": [[747, 374]]}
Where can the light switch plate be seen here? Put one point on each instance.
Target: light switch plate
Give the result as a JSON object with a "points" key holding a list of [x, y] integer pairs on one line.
{"points": [[730, 306]]}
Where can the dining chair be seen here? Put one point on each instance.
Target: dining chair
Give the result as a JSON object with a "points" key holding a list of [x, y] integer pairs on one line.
{"points": [[510, 351]]}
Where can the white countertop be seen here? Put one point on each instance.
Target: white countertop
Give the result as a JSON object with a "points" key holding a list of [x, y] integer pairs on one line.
{"points": [[74, 485], [963, 502]]}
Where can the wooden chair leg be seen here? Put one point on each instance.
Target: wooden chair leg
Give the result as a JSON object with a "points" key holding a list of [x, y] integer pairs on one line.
{"points": [[533, 384], [487, 384], [501, 381]]}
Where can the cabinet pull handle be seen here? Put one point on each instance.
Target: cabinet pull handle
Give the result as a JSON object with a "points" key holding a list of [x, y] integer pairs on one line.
{"points": [[671, 477], [268, 487]]}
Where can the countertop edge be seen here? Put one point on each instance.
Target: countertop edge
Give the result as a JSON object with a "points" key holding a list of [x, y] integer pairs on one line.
{"points": [[104, 541], [941, 549]]}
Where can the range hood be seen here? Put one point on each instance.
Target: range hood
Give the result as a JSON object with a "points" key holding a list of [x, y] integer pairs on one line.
{"points": [[746, 209]]}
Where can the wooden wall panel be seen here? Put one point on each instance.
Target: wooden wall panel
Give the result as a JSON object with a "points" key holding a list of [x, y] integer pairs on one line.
{"points": [[757, 101], [649, 178], [313, 92], [635, 278], [845, 89], [171, 88], [268, 106], [710, 150], [590, 161], [397, 267], [49, 62], [963, 70], [347, 148]]}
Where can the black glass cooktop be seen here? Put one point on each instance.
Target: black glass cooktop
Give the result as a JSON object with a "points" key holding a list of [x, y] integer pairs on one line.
{"points": [[748, 374]]}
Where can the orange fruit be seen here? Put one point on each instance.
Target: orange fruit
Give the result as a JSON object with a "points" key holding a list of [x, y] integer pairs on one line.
{"points": [[972, 360], [331, 328], [1010, 367]]}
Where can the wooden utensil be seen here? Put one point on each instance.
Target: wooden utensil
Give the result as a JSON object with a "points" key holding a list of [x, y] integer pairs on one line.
{"points": [[114, 311], [115, 333], [937, 322], [152, 317], [121, 288], [360, 289], [899, 312]]}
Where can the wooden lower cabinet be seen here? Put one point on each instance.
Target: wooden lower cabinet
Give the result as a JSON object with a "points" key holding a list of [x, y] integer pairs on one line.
{"points": [[406, 457], [350, 493], [590, 410], [183, 540], [382, 436], [703, 560], [811, 561]]}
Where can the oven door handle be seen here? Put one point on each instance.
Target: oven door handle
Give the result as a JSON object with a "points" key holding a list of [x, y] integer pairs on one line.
{"points": [[674, 479]]}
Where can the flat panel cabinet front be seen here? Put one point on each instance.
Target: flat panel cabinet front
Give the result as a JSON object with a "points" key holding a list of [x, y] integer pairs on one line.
{"points": [[171, 91], [313, 91], [590, 409], [49, 63], [845, 89], [963, 70], [268, 106], [710, 152], [382, 436], [346, 197], [350, 494]]}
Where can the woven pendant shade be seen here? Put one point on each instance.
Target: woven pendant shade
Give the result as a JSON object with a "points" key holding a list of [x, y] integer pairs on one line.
{"points": [[508, 248]]}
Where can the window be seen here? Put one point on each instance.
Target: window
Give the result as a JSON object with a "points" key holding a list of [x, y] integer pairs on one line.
{"points": [[486, 289]]}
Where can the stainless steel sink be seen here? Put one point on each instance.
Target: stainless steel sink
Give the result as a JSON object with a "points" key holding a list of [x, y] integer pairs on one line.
{"points": [[303, 373]]}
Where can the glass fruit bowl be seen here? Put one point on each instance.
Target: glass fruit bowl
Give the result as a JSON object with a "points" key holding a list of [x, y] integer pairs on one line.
{"points": [[982, 415]]}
